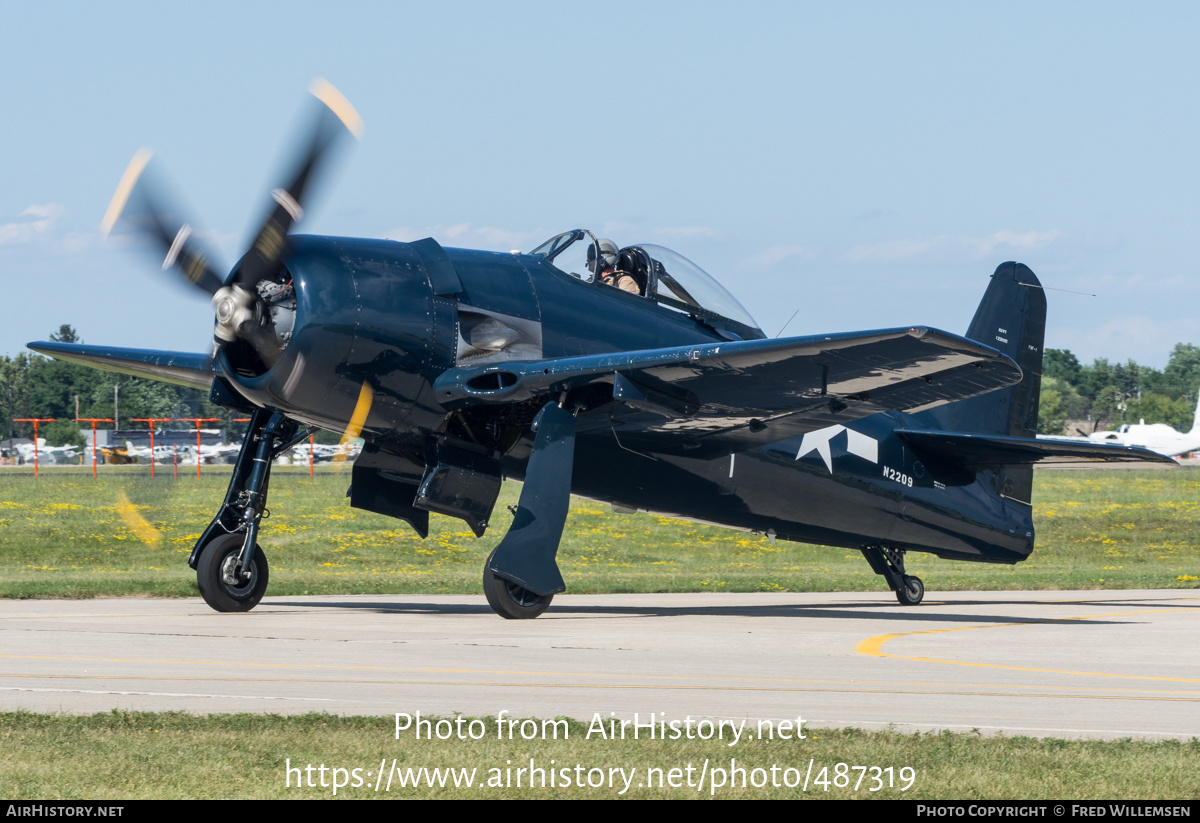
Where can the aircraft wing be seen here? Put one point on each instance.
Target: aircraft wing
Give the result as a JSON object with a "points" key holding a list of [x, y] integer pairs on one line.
{"points": [[981, 451], [192, 370], [712, 399]]}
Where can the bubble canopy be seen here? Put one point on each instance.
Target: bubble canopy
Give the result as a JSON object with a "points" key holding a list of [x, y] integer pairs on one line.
{"points": [[664, 276]]}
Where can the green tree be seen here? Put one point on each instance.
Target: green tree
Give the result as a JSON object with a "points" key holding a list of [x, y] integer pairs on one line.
{"points": [[1062, 365], [1051, 409], [1059, 403], [53, 385], [1182, 374], [14, 392], [65, 334], [1158, 408], [63, 433], [1108, 407]]}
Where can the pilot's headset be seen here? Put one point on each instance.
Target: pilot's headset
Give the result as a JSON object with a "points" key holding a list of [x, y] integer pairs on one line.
{"points": [[610, 255]]}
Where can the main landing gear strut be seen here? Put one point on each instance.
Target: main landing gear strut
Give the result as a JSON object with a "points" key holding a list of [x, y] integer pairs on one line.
{"points": [[890, 563], [231, 570], [521, 576]]}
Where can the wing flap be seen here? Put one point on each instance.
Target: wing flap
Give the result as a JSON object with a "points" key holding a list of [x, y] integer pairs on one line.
{"points": [[192, 370]]}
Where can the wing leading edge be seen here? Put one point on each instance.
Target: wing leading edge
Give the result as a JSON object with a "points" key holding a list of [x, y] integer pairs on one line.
{"points": [[192, 370], [710, 399]]}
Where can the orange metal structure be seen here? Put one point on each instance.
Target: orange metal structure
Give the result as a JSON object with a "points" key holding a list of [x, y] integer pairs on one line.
{"points": [[198, 421], [93, 421], [35, 421], [151, 421]]}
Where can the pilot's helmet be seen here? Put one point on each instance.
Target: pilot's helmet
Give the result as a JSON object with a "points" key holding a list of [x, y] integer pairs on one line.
{"points": [[609, 253]]}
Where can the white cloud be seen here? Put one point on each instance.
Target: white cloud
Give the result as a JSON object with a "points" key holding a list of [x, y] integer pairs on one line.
{"points": [[464, 234], [23, 231], [777, 254], [953, 247], [47, 210], [686, 231], [77, 241], [614, 228], [1148, 340], [1132, 283]]}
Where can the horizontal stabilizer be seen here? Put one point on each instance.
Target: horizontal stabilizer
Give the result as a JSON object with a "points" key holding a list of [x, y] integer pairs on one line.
{"points": [[981, 451], [192, 370]]}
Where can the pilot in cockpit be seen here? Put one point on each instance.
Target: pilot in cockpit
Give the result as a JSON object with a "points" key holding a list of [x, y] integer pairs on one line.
{"points": [[609, 274]]}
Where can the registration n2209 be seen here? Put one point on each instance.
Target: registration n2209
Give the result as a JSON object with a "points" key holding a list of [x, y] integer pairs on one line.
{"points": [[900, 477]]}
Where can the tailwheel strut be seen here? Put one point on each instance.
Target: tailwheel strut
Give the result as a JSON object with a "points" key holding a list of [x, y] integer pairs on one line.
{"points": [[889, 562]]}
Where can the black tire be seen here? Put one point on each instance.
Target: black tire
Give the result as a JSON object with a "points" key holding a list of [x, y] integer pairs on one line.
{"points": [[912, 593], [510, 601], [221, 594]]}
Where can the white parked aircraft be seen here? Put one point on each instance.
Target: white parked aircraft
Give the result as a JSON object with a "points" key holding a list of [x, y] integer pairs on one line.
{"points": [[46, 454], [218, 453], [324, 454], [1157, 437], [161, 454]]}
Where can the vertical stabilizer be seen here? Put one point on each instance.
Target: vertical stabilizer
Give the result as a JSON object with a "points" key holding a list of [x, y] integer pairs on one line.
{"points": [[1196, 420], [1012, 318]]}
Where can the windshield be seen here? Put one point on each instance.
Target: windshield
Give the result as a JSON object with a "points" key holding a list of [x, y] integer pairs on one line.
{"points": [[551, 248], [569, 252]]}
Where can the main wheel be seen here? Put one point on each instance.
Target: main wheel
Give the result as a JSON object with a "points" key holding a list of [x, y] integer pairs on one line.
{"points": [[510, 601], [912, 593], [219, 586]]}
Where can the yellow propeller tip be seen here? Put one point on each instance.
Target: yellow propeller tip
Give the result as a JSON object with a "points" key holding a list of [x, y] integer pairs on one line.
{"points": [[357, 420], [128, 180], [337, 103]]}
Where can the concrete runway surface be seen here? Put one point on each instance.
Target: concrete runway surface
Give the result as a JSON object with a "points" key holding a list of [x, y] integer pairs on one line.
{"points": [[1066, 664]]}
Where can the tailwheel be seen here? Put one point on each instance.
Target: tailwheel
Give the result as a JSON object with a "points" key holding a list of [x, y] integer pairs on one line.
{"points": [[912, 592], [510, 601], [220, 585], [889, 563]]}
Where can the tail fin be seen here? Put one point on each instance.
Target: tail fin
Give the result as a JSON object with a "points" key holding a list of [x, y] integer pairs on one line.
{"points": [[1012, 318], [1196, 419]]}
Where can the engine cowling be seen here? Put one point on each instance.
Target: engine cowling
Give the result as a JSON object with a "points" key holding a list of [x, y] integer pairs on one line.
{"points": [[342, 313]]}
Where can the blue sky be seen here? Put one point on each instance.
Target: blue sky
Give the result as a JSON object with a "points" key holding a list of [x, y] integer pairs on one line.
{"points": [[868, 164]]}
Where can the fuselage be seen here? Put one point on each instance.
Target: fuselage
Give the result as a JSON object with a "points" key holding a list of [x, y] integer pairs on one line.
{"points": [[397, 315], [787, 490]]}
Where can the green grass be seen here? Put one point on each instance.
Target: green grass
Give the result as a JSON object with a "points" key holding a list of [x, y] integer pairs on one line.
{"points": [[130, 755], [68, 535]]}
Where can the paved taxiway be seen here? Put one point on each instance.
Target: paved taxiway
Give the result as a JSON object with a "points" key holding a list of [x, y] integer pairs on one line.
{"points": [[1095, 664]]}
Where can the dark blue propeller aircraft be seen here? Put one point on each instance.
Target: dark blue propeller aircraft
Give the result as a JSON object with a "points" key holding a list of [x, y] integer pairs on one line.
{"points": [[624, 375]]}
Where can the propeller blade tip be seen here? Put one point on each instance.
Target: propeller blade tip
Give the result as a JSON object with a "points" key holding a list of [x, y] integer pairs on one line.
{"points": [[128, 180], [359, 418], [337, 103]]}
